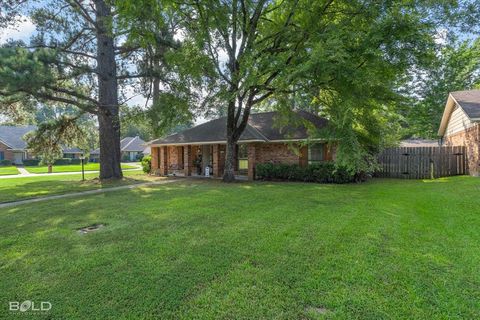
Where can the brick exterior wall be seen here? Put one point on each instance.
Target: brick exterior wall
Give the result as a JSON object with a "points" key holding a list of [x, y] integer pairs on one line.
{"points": [[8, 154], [276, 153], [169, 158], [470, 138], [175, 158]]}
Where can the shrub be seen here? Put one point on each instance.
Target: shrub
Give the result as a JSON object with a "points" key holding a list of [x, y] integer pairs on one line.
{"points": [[62, 161], [31, 162], [139, 156], [5, 162], [75, 161], [147, 164], [325, 172]]}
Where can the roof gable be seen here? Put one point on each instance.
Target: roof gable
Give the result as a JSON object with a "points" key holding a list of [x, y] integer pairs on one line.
{"points": [[12, 136], [468, 101]]}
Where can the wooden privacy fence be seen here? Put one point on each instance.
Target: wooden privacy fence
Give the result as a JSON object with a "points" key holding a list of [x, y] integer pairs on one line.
{"points": [[422, 162]]}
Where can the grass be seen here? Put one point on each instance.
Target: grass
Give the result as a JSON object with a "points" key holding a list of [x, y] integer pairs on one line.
{"points": [[387, 249], [21, 188], [71, 168], [8, 170]]}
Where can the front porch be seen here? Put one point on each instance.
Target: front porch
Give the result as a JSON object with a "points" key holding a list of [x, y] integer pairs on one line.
{"points": [[201, 160]]}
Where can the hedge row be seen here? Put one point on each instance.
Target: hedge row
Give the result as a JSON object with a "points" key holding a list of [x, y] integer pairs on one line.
{"points": [[31, 162], [325, 172], [5, 162], [65, 161]]}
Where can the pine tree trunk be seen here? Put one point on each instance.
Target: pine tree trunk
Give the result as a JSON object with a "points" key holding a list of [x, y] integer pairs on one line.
{"points": [[50, 170], [108, 117]]}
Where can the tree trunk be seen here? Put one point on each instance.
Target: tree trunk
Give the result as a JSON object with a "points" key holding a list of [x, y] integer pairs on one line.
{"points": [[50, 170], [108, 117], [229, 171]]}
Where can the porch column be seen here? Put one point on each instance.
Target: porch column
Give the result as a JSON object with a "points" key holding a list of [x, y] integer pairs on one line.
{"points": [[216, 160], [251, 161], [163, 161], [187, 160], [155, 161]]}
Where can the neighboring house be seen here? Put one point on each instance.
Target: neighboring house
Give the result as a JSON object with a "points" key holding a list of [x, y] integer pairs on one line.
{"points": [[191, 151], [419, 143], [12, 145], [14, 148], [130, 147], [460, 125]]}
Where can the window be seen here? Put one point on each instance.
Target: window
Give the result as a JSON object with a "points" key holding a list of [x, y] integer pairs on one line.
{"points": [[242, 156], [315, 153], [2, 155]]}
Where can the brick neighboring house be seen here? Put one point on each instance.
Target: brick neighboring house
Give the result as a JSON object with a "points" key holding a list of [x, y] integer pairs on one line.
{"points": [[130, 147], [14, 148], [12, 145], [460, 125], [191, 151]]}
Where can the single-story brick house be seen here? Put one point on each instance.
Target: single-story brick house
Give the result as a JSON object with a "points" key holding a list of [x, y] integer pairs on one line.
{"points": [[14, 148], [12, 145], [191, 151], [460, 125], [130, 147]]}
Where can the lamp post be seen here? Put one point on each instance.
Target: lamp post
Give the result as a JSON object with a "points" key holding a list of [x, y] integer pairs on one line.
{"points": [[82, 157]]}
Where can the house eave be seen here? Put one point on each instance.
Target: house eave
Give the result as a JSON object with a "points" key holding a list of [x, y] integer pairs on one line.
{"points": [[239, 142]]}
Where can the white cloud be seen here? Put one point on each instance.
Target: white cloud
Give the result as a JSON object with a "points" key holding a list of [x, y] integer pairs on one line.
{"points": [[23, 30]]}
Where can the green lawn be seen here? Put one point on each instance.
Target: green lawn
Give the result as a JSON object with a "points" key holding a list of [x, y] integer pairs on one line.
{"points": [[71, 168], [21, 188], [8, 170], [386, 249]]}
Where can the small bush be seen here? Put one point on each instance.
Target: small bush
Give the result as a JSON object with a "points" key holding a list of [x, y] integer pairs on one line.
{"points": [[147, 164], [139, 156], [31, 162], [63, 161], [325, 172], [5, 162], [75, 161]]}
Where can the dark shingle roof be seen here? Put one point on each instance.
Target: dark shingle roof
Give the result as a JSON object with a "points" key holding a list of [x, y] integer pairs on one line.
{"points": [[469, 101], [72, 150], [261, 127], [12, 136], [128, 144], [419, 143], [132, 144]]}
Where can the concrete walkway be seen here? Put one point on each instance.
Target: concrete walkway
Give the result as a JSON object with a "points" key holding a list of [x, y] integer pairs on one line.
{"points": [[24, 173], [83, 193]]}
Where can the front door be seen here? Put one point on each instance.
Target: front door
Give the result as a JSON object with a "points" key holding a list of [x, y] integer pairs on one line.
{"points": [[18, 157]]}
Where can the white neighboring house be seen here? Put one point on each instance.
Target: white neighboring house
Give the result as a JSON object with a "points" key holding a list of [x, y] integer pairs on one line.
{"points": [[130, 147], [460, 125]]}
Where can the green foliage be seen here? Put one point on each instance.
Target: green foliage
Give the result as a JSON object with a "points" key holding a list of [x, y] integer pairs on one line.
{"points": [[31, 162], [455, 67], [48, 140], [325, 172], [77, 161], [147, 164], [5, 162], [62, 161]]}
